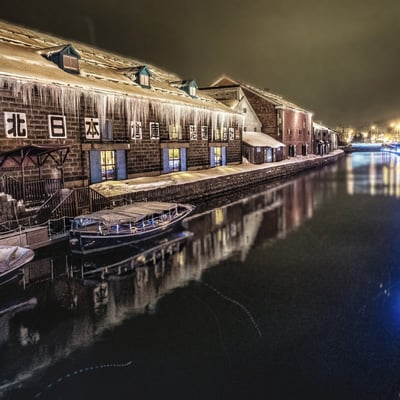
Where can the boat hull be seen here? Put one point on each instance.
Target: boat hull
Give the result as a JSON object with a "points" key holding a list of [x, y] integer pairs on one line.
{"points": [[12, 259], [85, 243]]}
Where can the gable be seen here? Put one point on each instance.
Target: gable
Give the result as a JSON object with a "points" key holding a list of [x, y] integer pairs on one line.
{"points": [[224, 81]]}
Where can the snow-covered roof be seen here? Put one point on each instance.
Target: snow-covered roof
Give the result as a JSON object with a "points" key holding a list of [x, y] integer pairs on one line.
{"points": [[273, 98], [129, 213], [321, 127], [261, 139], [22, 58]]}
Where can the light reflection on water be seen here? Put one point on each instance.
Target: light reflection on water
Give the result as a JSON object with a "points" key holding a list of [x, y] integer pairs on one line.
{"points": [[296, 283]]}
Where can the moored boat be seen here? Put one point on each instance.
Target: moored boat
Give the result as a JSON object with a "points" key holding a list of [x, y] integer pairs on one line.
{"points": [[12, 258], [106, 230]]}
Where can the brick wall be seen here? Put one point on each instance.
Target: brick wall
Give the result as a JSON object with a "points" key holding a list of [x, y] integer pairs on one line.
{"points": [[266, 113], [300, 126], [143, 156]]}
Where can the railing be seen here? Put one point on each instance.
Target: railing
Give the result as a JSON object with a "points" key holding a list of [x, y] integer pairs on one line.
{"points": [[72, 203], [56, 227], [34, 191], [59, 210]]}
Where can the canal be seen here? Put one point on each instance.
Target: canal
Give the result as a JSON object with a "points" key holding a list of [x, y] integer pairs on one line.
{"points": [[290, 290]]}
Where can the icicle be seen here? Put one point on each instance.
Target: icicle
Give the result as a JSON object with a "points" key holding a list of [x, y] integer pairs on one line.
{"points": [[68, 100]]}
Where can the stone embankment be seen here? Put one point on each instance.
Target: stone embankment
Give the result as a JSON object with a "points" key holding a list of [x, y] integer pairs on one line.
{"points": [[198, 185]]}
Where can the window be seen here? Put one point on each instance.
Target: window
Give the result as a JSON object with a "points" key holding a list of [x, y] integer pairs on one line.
{"points": [[136, 130], [144, 80], [107, 130], [299, 132], [244, 110], [231, 132], [204, 132], [192, 90], [154, 130], [108, 168], [175, 132], [217, 156], [193, 132], [289, 131], [217, 133], [71, 63], [174, 160]]}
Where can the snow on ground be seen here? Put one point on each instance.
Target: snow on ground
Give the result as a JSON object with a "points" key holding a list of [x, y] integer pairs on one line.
{"points": [[114, 188]]}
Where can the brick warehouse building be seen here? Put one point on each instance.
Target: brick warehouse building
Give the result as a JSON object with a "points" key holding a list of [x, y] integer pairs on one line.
{"points": [[268, 113], [84, 115]]}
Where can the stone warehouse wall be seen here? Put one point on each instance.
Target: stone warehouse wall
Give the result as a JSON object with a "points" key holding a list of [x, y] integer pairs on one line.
{"points": [[213, 187], [143, 156]]}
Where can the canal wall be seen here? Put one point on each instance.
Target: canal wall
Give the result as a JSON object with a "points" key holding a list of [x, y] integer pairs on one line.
{"points": [[193, 190]]}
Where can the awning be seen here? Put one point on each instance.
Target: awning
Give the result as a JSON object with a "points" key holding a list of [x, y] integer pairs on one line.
{"points": [[34, 154], [257, 139]]}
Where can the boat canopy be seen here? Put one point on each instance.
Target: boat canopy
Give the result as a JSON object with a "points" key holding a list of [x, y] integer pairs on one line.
{"points": [[125, 214]]}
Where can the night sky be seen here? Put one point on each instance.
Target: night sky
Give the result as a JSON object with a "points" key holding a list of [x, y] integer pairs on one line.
{"points": [[337, 58]]}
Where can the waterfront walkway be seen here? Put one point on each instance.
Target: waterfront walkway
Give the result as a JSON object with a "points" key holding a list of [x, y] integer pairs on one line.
{"points": [[150, 183]]}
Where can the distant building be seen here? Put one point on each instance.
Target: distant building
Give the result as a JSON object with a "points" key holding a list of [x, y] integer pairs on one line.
{"points": [[267, 114], [73, 112], [325, 139]]}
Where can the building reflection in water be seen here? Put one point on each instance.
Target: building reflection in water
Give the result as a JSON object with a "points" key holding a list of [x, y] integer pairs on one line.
{"points": [[77, 299]]}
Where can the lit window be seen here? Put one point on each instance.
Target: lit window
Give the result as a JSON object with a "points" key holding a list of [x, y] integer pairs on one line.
{"points": [[108, 168], [174, 158], [217, 156]]}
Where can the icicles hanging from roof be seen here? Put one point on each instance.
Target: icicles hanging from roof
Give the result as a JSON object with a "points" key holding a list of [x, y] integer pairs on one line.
{"points": [[62, 97], [106, 104]]}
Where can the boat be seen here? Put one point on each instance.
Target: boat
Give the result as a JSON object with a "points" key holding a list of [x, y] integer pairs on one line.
{"points": [[156, 252], [12, 258], [106, 230]]}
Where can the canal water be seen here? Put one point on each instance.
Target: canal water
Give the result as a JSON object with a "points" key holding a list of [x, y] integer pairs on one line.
{"points": [[290, 290]]}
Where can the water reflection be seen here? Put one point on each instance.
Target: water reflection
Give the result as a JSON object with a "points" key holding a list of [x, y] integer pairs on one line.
{"points": [[78, 299], [373, 174]]}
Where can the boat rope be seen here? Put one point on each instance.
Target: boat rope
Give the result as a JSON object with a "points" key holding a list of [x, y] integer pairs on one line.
{"points": [[80, 371], [237, 303]]}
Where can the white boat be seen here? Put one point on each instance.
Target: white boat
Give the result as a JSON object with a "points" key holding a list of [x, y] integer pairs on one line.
{"points": [[106, 230], [12, 258]]}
